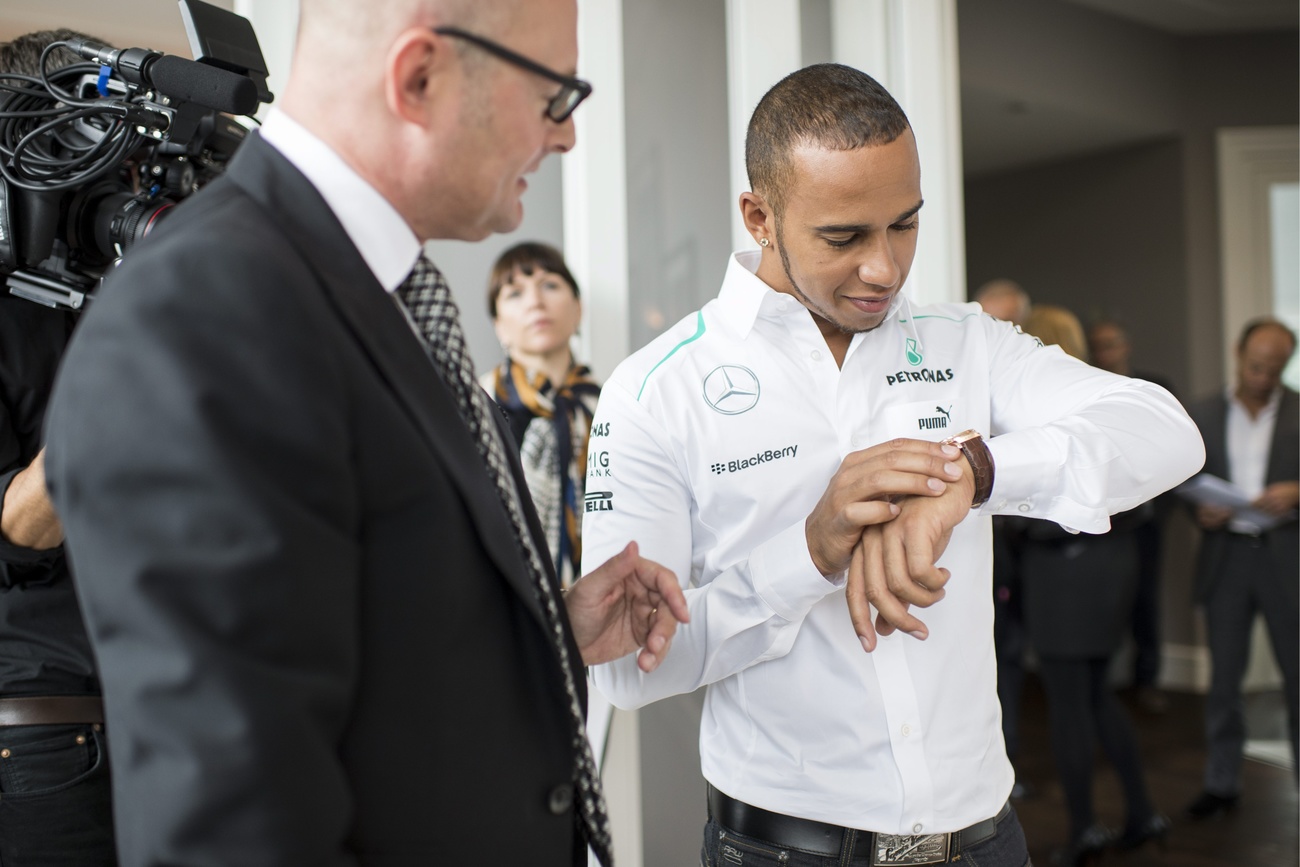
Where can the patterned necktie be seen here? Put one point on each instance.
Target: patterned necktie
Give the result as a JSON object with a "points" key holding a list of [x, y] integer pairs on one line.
{"points": [[429, 302]]}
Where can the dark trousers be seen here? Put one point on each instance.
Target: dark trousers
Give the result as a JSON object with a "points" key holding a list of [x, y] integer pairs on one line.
{"points": [[54, 797], [1009, 635], [1251, 583], [1146, 605], [1081, 706]]}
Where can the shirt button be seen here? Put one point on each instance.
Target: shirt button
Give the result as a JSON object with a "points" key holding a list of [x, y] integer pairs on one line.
{"points": [[560, 799], [916, 829], [907, 730], [1024, 507], [816, 355]]}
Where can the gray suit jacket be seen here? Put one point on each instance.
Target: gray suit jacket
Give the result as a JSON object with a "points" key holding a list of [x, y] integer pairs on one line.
{"points": [[318, 639], [1211, 416]]}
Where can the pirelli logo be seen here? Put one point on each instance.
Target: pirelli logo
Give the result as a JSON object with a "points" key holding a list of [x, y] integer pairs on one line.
{"points": [[598, 501]]}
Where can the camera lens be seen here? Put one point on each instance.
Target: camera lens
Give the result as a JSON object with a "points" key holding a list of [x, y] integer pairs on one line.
{"points": [[123, 218]]}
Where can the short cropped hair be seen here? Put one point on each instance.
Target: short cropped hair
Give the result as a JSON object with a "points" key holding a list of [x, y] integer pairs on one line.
{"points": [[1264, 322], [526, 258], [23, 54], [827, 105]]}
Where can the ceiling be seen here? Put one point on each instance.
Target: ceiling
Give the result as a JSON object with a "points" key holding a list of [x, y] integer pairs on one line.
{"points": [[1186, 17], [1009, 120], [1049, 80]]}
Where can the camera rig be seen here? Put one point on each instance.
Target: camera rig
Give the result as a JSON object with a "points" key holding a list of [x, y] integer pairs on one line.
{"points": [[93, 155]]}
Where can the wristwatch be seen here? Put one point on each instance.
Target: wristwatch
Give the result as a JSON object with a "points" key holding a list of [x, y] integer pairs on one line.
{"points": [[977, 454]]}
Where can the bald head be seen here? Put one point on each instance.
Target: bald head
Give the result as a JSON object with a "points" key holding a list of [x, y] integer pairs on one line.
{"points": [[445, 130], [1265, 347], [338, 22], [1004, 299]]}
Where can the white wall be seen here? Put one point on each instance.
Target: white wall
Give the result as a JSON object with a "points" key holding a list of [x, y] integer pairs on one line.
{"points": [[679, 198]]}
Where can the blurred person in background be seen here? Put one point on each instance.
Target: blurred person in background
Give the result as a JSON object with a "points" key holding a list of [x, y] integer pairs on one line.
{"points": [[1109, 348], [1245, 569], [54, 783], [1004, 299], [548, 397], [1078, 592]]}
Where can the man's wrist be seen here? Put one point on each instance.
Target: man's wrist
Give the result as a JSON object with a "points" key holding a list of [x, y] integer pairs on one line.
{"points": [[980, 459]]}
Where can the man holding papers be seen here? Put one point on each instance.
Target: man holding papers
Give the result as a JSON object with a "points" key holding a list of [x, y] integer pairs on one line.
{"points": [[1250, 553]]}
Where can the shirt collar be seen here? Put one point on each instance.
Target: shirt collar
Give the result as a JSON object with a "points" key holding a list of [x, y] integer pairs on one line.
{"points": [[1269, 410], [745, 298], [380, 234]]}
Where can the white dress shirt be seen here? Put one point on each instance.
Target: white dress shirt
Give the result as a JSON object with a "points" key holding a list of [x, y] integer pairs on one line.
{"points": [[1249, 441], [379, 232], [712, 445]]}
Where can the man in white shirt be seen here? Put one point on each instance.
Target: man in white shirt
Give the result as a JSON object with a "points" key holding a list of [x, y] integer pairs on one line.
{"points": [[756, 448], [1252, 439]]}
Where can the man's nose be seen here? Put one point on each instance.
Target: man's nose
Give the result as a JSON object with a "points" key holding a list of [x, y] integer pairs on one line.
{"points": [[879, 265], [564, 136]]}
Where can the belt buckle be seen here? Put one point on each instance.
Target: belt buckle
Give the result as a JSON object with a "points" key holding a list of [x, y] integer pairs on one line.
{"points": [[892, 849]]}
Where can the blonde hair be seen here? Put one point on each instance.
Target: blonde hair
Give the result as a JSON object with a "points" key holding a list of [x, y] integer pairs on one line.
{"points": [[1057, 326]]}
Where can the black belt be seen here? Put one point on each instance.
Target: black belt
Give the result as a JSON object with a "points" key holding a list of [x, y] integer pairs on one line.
{"points": [[819, 838], [49, 710]]}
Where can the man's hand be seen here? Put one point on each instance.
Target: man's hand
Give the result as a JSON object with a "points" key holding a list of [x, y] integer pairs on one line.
{"points": [[861, 491], [1278, 498], [893, 567], [1210, 517], [27, 516], [628, 602]]}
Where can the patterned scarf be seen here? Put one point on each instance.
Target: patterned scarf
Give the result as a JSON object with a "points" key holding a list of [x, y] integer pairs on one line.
{"points": [[554, 451]]}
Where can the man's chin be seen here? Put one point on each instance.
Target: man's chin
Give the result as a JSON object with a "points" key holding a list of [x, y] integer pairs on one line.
{"points": [[509, 220]]}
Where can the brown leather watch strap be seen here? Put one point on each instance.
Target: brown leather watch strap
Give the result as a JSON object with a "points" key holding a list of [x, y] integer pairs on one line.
{"points": [[977, 453]]}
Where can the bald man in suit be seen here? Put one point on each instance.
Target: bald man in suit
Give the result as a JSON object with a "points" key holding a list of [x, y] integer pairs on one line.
{"points": [[315, 586]]}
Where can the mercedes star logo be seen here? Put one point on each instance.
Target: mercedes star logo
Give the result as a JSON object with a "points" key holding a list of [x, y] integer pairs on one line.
{"points": [[731, 389]]}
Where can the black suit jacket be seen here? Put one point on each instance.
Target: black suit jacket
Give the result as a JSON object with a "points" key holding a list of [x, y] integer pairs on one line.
{"points": [[318, 639], [1211, 416]]}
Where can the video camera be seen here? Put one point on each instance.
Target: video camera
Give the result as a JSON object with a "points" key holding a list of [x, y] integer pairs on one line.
{"points": [[94, 154]]}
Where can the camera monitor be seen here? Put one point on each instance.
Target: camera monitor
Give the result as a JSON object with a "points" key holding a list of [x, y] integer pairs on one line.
{"points": [[223, 39]]}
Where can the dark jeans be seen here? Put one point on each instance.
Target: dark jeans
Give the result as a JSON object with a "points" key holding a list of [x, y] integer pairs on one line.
{"points": [[54, 797], [726, 848]]}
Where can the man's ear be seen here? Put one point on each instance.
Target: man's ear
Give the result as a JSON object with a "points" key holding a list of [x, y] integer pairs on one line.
{"points": [[759, 218], [418, 66]]}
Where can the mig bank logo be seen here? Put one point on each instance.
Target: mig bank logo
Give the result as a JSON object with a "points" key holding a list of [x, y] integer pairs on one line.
{"points": [[731, 389]]}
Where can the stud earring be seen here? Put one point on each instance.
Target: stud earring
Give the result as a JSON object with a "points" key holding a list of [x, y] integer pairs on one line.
{"points": [[762, 242]]}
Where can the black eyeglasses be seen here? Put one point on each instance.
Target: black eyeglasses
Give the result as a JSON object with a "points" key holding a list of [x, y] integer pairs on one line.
{"points": [[572, 90]]}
